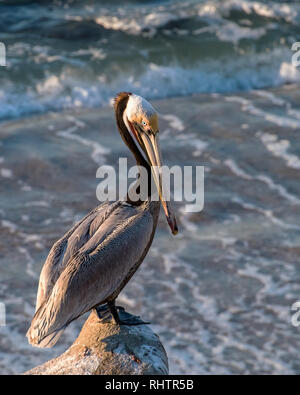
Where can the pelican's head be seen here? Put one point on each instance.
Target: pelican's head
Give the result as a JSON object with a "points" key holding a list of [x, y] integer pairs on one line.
{"points": [[141, 121], [141, 114]]}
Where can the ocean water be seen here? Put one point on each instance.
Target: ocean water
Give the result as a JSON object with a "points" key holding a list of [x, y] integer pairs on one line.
{"points": [[220, 293], [66, 54]]}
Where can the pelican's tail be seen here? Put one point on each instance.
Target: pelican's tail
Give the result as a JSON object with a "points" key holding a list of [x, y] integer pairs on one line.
{"points": [[41, 333], [47, 341]]}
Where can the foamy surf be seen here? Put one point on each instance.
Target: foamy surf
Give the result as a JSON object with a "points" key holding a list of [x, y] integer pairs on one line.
{"points": [[206, 46]]}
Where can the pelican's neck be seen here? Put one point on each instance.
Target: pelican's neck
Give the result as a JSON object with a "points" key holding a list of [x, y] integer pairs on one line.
{"points": [[120, 106]]}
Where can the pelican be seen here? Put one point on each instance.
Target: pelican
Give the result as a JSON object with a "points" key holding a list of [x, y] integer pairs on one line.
{"points": [[89, 266]]}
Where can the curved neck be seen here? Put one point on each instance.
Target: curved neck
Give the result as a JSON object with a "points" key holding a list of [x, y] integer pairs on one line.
{"points": [[120, 104]]}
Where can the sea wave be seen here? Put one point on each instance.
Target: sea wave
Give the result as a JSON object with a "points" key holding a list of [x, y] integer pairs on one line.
{"points": [[82, 53], [65, 91]]}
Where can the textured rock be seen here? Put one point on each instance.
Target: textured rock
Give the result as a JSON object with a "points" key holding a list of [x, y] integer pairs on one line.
{"points": [[106, 348]]}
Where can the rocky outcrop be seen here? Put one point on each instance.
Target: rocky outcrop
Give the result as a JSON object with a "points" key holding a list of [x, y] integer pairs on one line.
{"points": [[105, 348]]}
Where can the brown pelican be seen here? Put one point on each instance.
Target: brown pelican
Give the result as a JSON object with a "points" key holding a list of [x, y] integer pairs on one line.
{"points": [[90, 265]]}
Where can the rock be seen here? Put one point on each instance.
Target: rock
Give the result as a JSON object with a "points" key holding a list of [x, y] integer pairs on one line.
{"points": [[105, 348]]}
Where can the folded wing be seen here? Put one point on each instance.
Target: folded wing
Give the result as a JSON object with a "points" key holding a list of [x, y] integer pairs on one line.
{"points": [[88, 265]]}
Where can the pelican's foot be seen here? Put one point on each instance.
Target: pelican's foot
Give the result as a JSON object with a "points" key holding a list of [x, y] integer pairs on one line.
{"points": [[110, 313], [104, 313], [125, 318], [102, 309]]}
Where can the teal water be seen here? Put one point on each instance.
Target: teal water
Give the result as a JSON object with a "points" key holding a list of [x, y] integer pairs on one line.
{"points": [[80, 53]]}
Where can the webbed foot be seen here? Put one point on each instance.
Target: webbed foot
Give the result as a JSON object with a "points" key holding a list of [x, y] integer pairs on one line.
{"points": [[124, 318], [109, 312]]}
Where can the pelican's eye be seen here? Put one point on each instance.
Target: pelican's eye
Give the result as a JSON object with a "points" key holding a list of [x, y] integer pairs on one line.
{"points": [[144, 123]]}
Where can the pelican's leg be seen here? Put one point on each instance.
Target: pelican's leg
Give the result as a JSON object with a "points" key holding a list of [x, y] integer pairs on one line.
{"points": [[121, 317], [103, 313]]}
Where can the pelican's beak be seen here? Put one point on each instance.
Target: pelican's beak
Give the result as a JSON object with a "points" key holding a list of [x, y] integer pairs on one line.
{"points": [[152, 150]]}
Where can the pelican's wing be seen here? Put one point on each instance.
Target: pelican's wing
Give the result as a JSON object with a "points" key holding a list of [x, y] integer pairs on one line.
{"points": [[95, 272], [67, 246]]}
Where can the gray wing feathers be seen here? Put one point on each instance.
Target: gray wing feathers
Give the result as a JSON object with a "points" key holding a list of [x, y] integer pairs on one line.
{"points": [[64, 248], [94, 271]]}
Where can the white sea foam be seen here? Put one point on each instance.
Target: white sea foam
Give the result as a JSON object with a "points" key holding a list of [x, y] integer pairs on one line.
{"points": [[50, 85], [135, 24], [279, 148], [270, 96], [26, 188], [29, 262], [234, 33], [98, 151], [9, 225], [213, 329], [289, 73], [278, 101], [174, 121], [6, 173], [94, 53], [200, 146], [270, 10], [267, 213], [280, 189], [279, 120], [237, 170], [37, 203], [151, 80]]}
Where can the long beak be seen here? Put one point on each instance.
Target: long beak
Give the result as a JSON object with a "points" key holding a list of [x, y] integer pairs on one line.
{"points": [[152, 150]]}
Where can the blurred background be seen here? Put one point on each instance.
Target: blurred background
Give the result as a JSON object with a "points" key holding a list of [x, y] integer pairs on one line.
{"points": [[220, 74]]}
